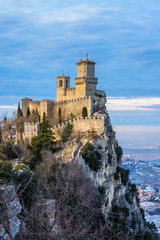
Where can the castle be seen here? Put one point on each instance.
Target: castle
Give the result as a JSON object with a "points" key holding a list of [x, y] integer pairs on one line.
{"points": [[70, 101]]}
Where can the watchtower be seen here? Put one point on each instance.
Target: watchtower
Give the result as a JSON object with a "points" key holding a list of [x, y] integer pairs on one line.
{"points": [[86, 81], [24, 105], [63, 83]]}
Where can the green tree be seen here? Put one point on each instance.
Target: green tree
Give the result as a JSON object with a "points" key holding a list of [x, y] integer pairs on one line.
{"points": [[67, 131], [19, 111], [35, 148], [46, 134], [37, 115], [28, 112], [6, 170], [59, 115], [84, 112], [72, 116]]}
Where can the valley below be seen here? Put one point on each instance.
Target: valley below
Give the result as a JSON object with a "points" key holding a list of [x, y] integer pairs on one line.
{"points": [[144, 166]]}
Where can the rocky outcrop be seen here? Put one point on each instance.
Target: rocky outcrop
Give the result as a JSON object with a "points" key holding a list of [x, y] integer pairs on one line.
{"points": [[111, 179], [10, 207]]}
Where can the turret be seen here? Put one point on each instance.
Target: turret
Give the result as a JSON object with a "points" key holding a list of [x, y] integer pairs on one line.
{"points": [[24, 105], [86, 81], [63, 82]]}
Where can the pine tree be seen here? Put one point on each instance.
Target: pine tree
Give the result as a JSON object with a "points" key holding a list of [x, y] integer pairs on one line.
{"points": [[35, 148], [84, 112], [37, 115], [59, 115], [28, 112], [19, 111], [46, 134]]}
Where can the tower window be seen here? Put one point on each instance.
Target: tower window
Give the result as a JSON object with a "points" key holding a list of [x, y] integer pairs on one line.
{"points": [[60, 83], [66, 83]]}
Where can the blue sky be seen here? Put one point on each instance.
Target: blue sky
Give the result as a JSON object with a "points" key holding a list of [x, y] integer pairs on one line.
{"points": [[41, 39]]}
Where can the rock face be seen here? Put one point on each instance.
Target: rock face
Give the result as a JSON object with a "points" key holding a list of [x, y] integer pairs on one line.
{"points": [[111, 178], [10, 207]]}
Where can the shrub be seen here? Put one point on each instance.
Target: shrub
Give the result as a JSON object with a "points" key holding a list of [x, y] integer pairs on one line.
{"points": [[9, 149], [124, 175], [118, 151], [143, 213], [6, 170], [27, 183], [138, 200], [100, 147], [84, 112], [21, 166], [133, 188], [67, 131], [78, 202], [128, 198], [133, 226], [92, 158], [102, 191], [151, 226], [119, 217], [109, 158]]}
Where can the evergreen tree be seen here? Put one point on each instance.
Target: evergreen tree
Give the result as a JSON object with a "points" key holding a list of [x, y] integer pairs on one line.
{"points": [[35, 148], [46, 134], [19, 111], [59, 115], [37, 115], [84, 112], [28, 112]]}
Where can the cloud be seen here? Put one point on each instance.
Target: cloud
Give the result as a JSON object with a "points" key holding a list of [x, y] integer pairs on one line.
{"points": [[8, 107], [133, 104]]}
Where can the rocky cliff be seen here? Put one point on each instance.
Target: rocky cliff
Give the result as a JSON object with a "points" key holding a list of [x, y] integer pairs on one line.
{"points": [[99, 155]]}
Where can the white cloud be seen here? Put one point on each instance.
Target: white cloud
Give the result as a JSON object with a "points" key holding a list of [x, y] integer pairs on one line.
{"points": [[133, 104], [8, 107]]}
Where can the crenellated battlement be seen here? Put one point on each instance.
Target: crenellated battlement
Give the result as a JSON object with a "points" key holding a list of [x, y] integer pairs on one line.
{"points": [[70, 89], [71, 100], [80, 124]]}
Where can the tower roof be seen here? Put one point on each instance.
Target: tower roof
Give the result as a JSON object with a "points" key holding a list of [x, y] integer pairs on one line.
{"points": [[85, 61], [26, 98]]}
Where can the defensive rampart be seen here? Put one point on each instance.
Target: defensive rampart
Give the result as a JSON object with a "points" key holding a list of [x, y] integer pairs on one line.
{"points": [[73, 106], [87, 124]]}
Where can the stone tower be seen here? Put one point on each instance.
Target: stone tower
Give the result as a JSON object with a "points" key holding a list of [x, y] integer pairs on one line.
{"points": [[63, 83], [24, 105], [86, 81]]}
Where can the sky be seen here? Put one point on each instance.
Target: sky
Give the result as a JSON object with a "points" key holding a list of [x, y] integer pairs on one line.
{"points": [[42, 39]]}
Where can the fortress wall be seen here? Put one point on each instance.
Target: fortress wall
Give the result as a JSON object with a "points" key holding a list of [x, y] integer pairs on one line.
{"points": [[73, 106], [66, 93], [82, 125], [33, 105], [80, 90], [47, 107], [70, 93], [30, 130]]}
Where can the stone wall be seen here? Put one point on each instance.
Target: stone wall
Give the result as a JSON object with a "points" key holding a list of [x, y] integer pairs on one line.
{"points": [[33, 105], [87, 124], [66, 94], [30, 130], [73, 106]]}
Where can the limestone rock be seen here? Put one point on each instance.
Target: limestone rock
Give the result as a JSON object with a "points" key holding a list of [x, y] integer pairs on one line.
{"points": [[10, 207]]}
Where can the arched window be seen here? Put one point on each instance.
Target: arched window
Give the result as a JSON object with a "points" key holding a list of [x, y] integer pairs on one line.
{"points": [[60, 83]]}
